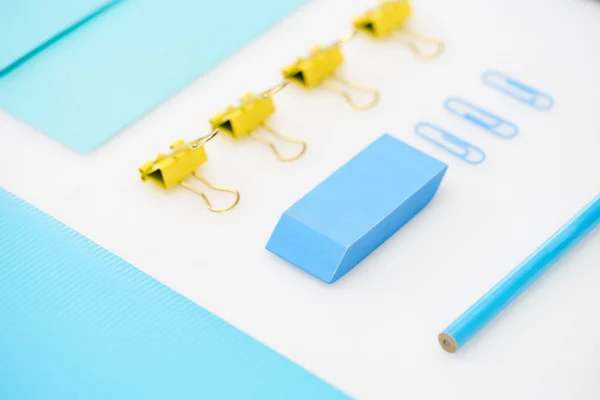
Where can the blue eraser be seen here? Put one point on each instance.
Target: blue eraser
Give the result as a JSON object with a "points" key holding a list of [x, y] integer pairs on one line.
{"points": [[352, 212]]}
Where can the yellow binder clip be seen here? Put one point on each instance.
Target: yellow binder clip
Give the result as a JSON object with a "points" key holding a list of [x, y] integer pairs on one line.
{"points": [[168, 170], [391, 17], [250, 115], [320, 68]]}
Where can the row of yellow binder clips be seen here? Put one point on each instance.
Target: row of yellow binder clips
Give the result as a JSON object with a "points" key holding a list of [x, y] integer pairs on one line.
{"points": [[250, 116]]}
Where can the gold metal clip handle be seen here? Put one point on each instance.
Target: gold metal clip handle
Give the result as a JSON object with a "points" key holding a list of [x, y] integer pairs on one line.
{"points": [[348, 37], [274, 90], [283, 138], [415, 41], [345, 92], [213, 187]]}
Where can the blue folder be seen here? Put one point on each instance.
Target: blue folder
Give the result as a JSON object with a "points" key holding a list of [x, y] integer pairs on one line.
{"points": [[82, 70], [77, 322]]}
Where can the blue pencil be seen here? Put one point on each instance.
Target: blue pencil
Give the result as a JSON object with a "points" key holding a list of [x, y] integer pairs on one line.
{"points": [[516, 282]]}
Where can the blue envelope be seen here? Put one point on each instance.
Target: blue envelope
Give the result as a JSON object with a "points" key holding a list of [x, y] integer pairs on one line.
{"points": [[28, 26], [82, 70]]}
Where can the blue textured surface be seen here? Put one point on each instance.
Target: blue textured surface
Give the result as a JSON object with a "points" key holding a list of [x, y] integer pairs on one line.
{"points": [[523, 276], [347, 216], [77, 322], [98, 79]]}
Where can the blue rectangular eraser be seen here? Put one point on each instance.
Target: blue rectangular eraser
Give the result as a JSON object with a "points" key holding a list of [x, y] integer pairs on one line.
{"points": [[352, 212]]}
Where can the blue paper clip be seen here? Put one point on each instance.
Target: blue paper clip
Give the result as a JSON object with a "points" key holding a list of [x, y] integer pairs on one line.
{"points": [[486, 120], [452, 144], [518, 90]]}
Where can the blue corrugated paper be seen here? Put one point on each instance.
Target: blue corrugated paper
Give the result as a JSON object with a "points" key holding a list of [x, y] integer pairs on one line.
{"points": [[77, 322], [351, 213], [101, 77]]}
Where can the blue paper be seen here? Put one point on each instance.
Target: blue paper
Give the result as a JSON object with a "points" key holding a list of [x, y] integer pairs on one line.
{"points": [[103, 76], [347, 216], [77, 322]]}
